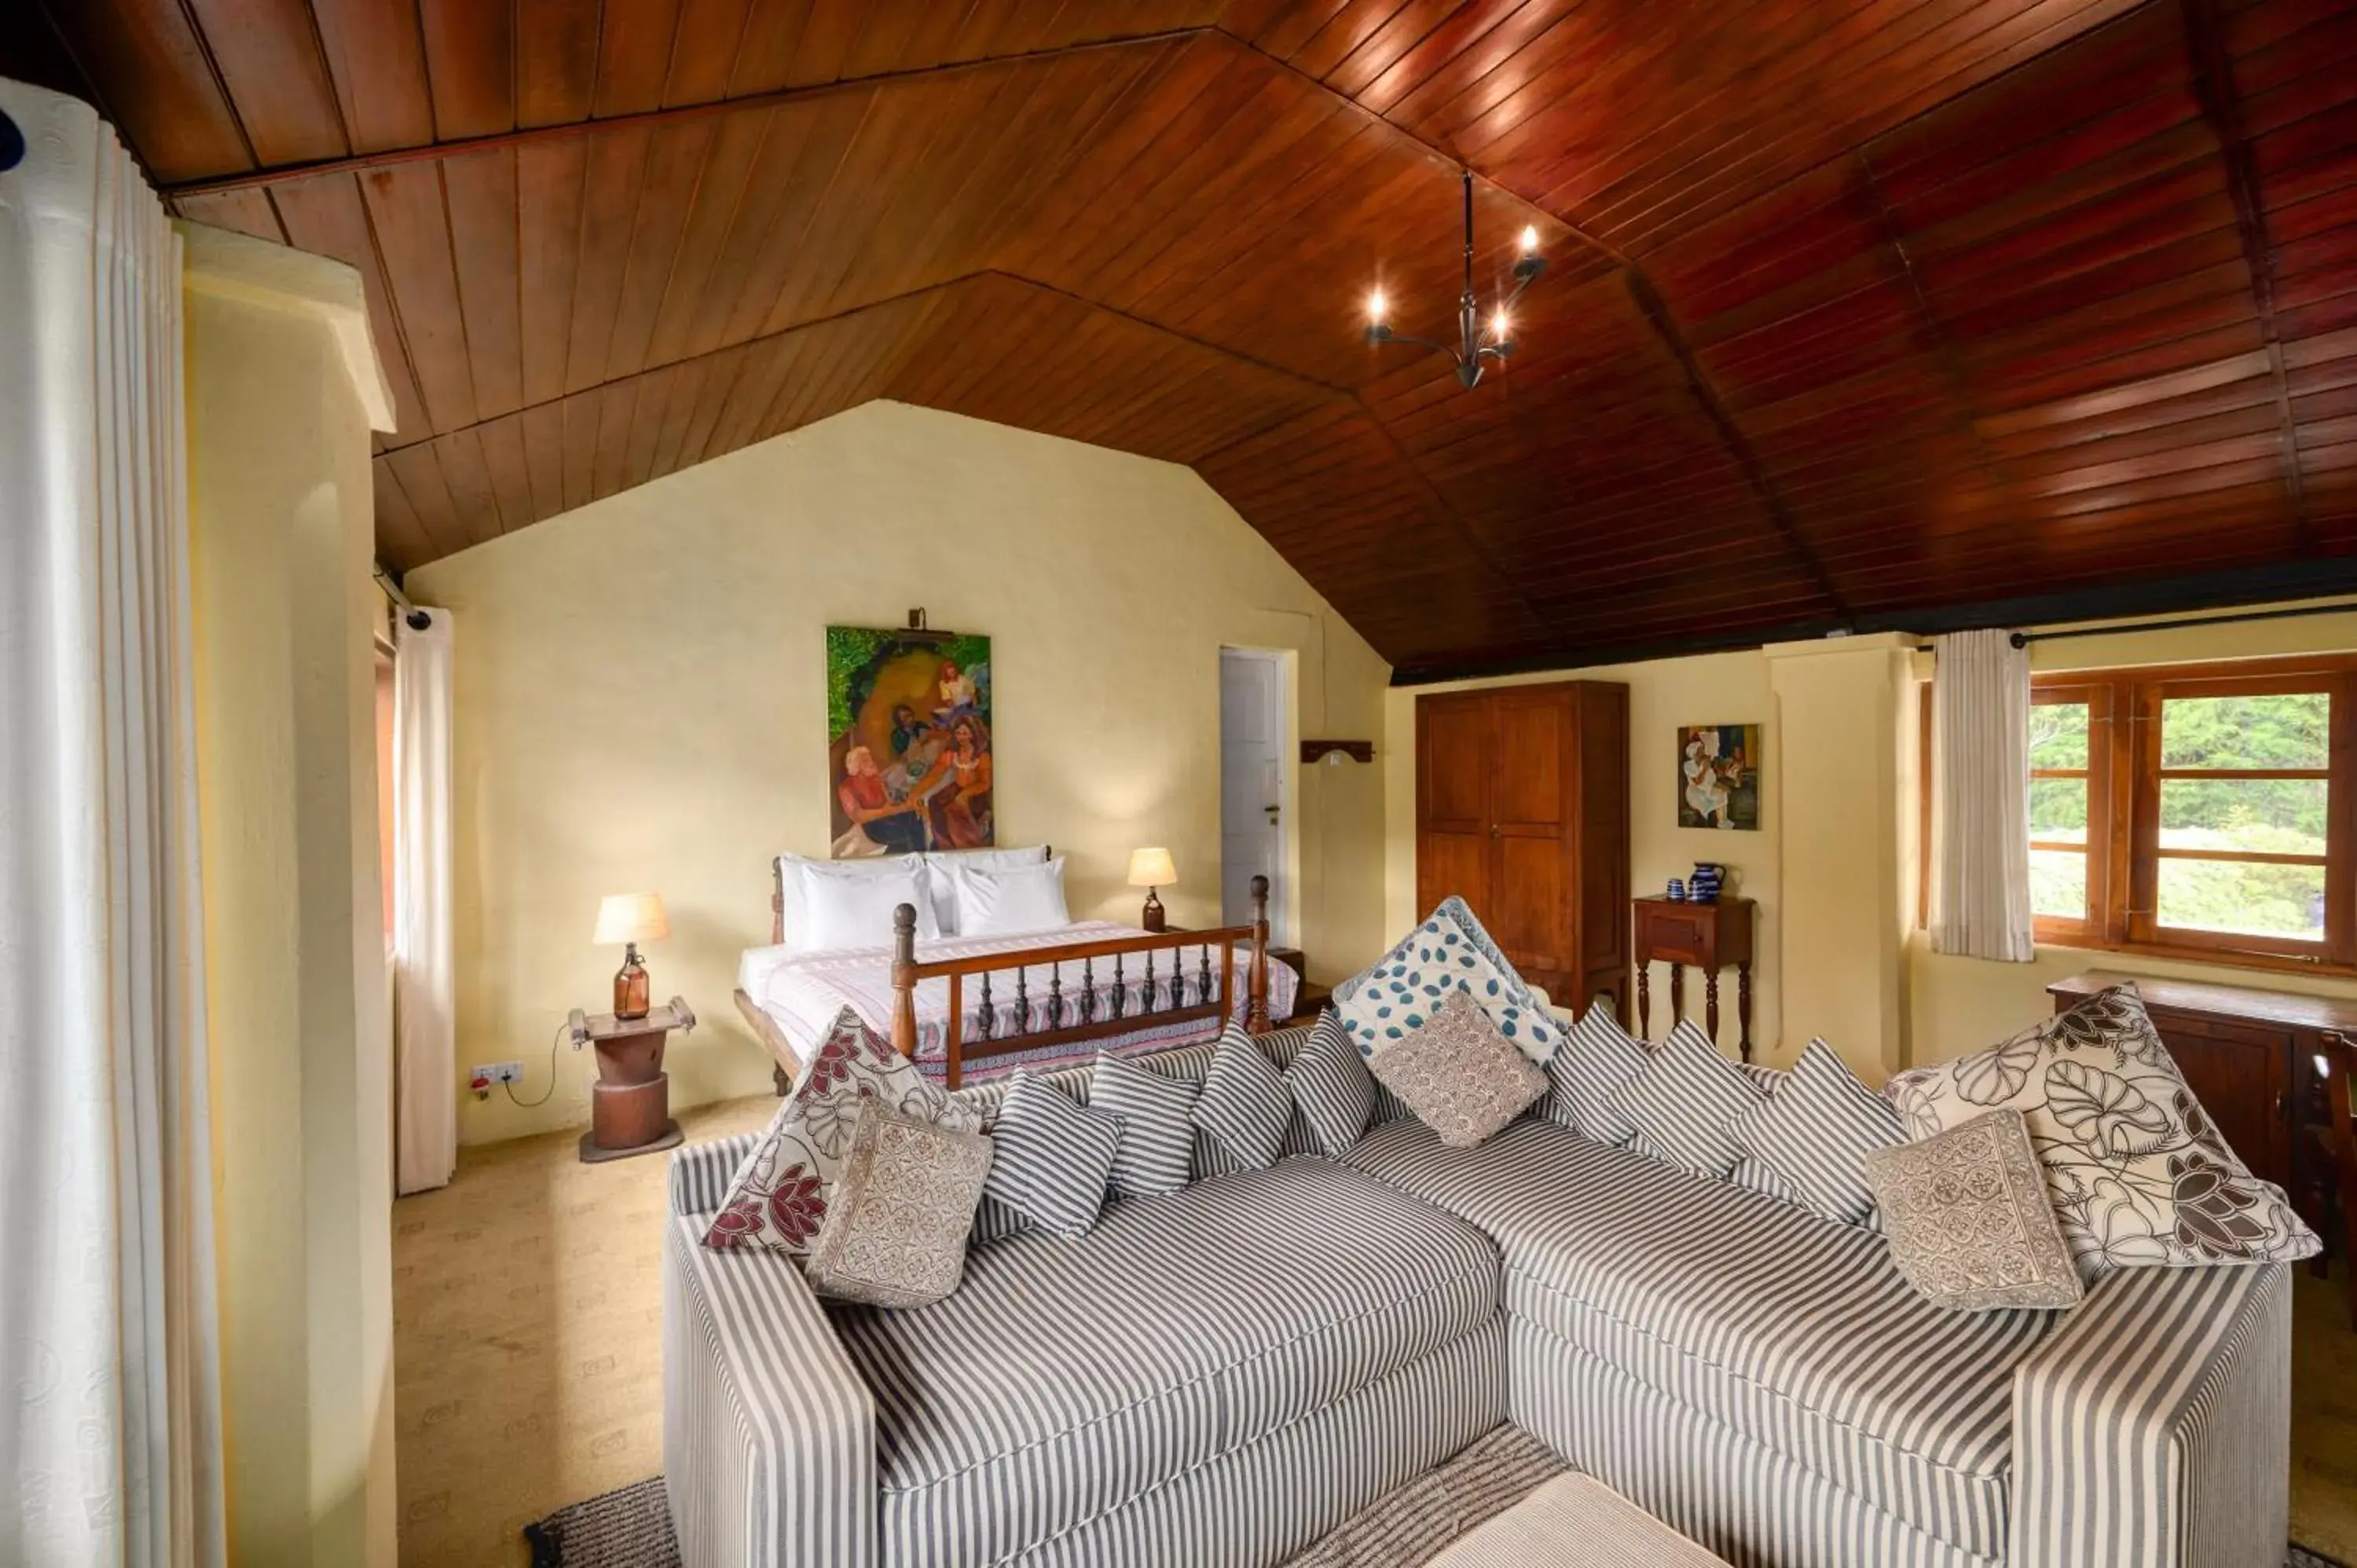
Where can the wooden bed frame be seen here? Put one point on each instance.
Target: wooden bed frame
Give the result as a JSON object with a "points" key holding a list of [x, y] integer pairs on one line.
{"points": [[1068, 1020]]}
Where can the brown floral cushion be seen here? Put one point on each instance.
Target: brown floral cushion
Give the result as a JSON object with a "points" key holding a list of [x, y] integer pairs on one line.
{"points": [[779, 1197], [1966, 1214], [1462, 1076], [904, 1200], [2137, 1174]]}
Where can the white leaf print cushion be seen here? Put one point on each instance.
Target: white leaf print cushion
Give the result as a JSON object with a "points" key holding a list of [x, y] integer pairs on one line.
{"points": [[2137, 1174], [1450, 952]]}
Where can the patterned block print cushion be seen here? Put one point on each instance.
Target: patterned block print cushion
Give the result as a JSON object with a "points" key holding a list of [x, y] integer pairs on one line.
{"points": [[2137, 1174], [1450, 952], [779, 1197], [903, 1203], [1460, 1076], [1967, 1216]]}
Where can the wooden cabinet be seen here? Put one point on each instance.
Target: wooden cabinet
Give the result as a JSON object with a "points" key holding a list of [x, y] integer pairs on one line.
{"points": [[2250, 1058], [1522, 811]]}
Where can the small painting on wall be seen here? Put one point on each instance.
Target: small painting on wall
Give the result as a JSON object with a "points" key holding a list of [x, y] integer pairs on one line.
{"points": [[1718, 776], [908, 757]]}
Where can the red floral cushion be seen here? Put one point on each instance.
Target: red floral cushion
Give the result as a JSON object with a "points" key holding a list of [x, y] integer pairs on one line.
{"points": [[777, 1199]]}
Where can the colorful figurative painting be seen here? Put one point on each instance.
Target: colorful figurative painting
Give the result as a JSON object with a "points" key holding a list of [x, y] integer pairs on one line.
{"points": [[1718, 776], [909, 715]]}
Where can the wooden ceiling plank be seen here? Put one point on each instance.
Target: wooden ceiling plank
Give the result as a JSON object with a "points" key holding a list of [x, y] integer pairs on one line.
{"points": [[556, 60], [268, 56], [720, 196], [581, 410], [825, 42], [705, 51], [484, 224], [402, 541], [550, 177], [470, 61], [818, 156], [634, 51], [773, 33], [677, 157], [509, 470], [687, 391], [618, 406], [376, 58], [159, 83], [656, 388], [611, 188], [419, 474], [716, 395], [544, 456], [473, 502], [240, 212], [408, 215]]}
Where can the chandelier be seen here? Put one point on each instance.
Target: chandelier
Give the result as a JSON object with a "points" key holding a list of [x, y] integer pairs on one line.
{"points": [[1477, 344]]}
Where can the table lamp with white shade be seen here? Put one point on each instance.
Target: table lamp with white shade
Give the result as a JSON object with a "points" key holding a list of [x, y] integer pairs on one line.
{"points": [[1150, 869], [630, 919]]}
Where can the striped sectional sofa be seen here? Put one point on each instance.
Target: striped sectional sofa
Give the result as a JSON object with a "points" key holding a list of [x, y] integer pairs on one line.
{"points": [[1220, 1376]]}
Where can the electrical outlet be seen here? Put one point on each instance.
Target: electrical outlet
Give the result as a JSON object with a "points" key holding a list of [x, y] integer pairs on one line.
{"points": [[498, 1072]]}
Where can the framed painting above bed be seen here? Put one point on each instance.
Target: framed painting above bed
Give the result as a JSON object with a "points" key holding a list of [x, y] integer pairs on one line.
{"points": [[909, 756]]}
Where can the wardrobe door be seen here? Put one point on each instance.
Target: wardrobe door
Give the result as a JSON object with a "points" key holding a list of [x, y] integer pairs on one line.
{"points": [[1532, 804], [1452, 800]]}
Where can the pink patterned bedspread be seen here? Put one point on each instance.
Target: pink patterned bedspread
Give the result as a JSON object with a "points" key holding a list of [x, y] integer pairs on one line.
{"points": [[802, 993]]}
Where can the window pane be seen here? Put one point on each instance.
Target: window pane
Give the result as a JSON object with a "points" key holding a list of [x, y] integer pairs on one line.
{"points": [[2255, 900], [2058, 883], [2057, 734], [2287, 730], [2277, 816], [2058, 809]]}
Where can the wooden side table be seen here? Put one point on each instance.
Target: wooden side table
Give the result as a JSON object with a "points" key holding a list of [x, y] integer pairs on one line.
{"points": [[1708, 936], [629, 1105]]}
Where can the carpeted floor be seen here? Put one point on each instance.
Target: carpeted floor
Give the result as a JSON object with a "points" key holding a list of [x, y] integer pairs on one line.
{"points": [[527, 1306]]}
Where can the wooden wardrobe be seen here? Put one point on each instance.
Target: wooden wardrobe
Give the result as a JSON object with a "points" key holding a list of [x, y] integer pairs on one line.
{"points": [[1522, 808]]}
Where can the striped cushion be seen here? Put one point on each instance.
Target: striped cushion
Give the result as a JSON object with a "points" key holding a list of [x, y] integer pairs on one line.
{"points": [[1685, 1100], [1792, 1330], [1157, 1133], [1052, 1157], [1332, 1086], [1816, 1132], [1246, 1103], [1076, 1376], [1596, 1057], [1752, 1176]]}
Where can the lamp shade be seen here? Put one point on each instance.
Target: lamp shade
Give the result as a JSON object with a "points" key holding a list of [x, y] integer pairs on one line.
{"points": [[1151, 868], [632, 917]]}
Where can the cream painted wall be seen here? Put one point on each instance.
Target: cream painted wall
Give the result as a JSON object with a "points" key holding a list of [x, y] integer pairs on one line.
{"points": [[282, 515], [1663, 694], [641, 705]]}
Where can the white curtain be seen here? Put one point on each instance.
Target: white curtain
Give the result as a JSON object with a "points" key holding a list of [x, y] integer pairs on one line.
{"points": [[424, 1035], [110, 1428], [1980, 797]]}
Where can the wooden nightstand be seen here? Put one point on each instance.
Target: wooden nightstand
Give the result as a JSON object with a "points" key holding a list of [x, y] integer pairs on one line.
{"points": [[629, 1105], [1708, 936]]}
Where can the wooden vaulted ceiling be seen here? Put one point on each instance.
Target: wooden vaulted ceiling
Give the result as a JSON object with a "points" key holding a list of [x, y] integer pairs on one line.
{"points": [[1860, 312]]}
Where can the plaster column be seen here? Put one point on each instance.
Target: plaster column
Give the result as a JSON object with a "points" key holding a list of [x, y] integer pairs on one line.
{"points": [[283, 389], [1840, 769]]}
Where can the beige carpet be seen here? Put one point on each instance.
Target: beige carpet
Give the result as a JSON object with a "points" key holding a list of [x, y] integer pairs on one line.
{"points": [[526, 1310]]}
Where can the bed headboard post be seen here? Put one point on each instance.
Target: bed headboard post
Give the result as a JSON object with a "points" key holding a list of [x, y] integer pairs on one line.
{"points": [[1256, 977], [904, 980], [777, 900]]}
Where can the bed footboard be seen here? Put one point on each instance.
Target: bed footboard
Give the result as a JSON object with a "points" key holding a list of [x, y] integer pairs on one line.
{"points": [[1170, 993]]}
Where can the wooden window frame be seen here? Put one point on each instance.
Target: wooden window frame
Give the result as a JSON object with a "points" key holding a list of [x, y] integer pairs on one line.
{"points": [[2125, 775]]}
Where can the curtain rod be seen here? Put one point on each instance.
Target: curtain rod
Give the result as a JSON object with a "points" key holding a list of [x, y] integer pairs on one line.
{"points": [[2023, 638]]}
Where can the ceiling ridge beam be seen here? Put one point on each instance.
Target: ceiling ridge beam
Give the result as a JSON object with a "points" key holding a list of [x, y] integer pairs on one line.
{"points": [[2212, 69], [527, 135], [1640, 289]]}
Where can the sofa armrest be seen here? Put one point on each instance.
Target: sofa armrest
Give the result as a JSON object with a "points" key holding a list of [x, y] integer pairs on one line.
{"points": [[700, 1172], [768, 1430], [2153, 1428]]}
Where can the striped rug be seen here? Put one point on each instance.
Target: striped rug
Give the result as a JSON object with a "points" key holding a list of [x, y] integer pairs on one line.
{"points": [[630, 1527]]}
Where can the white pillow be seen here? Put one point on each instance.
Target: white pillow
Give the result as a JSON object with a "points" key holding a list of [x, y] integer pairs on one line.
{"points": [[793, 918], [1009, 899], [939, 861], [854, 909]]}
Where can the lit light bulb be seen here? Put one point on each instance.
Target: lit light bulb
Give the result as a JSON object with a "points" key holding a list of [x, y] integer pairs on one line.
{"points": [[1377, 306], [1530, 238], [1497, 326]]}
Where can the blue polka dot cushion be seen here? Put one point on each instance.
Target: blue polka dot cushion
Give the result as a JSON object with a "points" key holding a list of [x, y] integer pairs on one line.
{"points": [[1450, 952]]}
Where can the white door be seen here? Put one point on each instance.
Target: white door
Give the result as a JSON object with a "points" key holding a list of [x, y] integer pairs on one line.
{"points": [[1252, 780]]}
